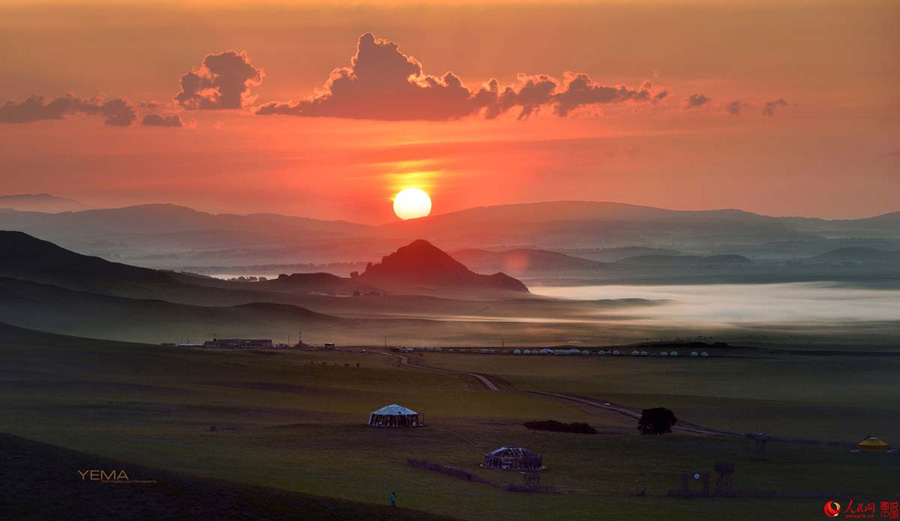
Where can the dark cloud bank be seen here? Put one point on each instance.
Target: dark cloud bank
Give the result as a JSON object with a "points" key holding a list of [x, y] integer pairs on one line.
{"points": [[222, 82], [383, 83], [117, 112]]}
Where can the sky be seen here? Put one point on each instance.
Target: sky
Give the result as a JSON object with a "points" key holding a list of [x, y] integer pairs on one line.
{"points": [[327, 110]]}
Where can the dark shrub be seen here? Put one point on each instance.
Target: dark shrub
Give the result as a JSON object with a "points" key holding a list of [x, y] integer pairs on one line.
{"points": [[555, 426], [657, 421]]}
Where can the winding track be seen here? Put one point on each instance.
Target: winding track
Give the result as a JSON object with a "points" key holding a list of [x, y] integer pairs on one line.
{"points": [[636, 414]]}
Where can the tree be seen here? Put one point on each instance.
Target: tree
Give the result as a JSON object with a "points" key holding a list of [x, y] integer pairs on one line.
{"points": [[657, 421]]}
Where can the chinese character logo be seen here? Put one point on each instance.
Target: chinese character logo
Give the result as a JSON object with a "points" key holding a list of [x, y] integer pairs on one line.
{"points": [[832, 509]]}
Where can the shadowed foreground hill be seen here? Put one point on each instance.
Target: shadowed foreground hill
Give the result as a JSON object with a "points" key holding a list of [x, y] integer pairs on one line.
{"points": [[42, 482], [23, 256], [421, 265]]}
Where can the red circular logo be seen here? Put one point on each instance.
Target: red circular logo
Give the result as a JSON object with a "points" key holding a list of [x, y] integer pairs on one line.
{"points": [[832, 509]]}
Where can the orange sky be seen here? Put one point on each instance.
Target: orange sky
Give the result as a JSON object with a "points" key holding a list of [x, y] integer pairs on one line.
{"points": [[831, 148]]}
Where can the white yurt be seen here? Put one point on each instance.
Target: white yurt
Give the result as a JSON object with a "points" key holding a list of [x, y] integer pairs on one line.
{"points": [[694, 353], [394, 416], [517, 351], [704, 353], [513, 458]]}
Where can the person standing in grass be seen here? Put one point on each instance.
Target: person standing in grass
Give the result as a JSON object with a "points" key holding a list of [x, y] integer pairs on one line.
{"points": [[393, 499]]}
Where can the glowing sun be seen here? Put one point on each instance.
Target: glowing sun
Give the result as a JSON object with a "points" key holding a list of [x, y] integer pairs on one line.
{"points": [[412, 203]]}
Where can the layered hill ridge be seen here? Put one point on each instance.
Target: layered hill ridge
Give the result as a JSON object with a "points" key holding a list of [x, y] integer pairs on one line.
{"points": [[522, 260], [859, 254], [173, 237], [40, 203], [26, 257], [686, 260]]}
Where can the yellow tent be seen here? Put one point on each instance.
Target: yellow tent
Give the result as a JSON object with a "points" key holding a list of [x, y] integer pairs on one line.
{"points": [[873, 444]]}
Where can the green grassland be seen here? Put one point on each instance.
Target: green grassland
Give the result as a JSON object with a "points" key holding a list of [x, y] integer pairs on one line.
{"points": [[811, 396], [295, 421]]}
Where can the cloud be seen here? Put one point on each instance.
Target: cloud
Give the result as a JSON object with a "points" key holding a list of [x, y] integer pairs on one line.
{"points": [[695, 100], [734, 108], [117, 111], [529, 95], [223, 81], [769, 107], [383, 83], [156, 120], [579, 90]]}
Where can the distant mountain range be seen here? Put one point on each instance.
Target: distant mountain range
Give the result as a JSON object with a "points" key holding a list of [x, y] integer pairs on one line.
{"points": [[525, 261], [416, 292], [169, 236], [40, 203], [687, 260], [49, 288], [416, 266], [858, 255]]}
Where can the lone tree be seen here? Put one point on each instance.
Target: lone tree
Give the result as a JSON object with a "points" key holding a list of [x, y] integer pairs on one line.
{"points": [[657, 421]]}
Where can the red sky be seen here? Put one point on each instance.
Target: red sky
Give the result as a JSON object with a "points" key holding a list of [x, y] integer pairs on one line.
{"points": [[828, 70]]}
